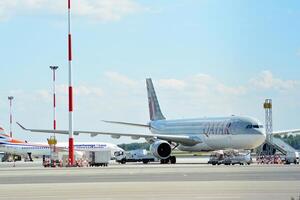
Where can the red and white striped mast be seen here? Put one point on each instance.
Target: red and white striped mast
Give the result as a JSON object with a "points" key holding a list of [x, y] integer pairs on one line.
{"points": [[71, 138], [10, 98]]}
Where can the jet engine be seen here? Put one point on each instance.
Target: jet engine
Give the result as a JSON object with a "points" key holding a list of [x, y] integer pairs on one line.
{"points": [[161, 149]]}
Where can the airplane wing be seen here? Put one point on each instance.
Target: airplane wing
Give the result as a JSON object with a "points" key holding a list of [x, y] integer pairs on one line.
{"points": [[182, 139], [294, 131], [127, 123]]}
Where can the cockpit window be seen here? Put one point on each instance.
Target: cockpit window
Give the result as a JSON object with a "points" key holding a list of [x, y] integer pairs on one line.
{"points": [[254, 126]]}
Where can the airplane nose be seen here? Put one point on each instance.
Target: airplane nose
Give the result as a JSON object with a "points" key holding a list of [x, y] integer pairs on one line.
{"points": [[262, 132], [262, 135]]}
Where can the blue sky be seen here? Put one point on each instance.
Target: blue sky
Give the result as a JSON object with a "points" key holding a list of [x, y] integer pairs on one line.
{"points": [[207, 58]]}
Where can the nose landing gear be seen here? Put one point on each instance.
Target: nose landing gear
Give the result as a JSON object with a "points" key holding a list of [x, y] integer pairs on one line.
{"points": [[30, 157]]}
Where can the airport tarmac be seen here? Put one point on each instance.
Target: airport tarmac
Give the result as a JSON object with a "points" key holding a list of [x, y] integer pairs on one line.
{"points": [[137, 181]]}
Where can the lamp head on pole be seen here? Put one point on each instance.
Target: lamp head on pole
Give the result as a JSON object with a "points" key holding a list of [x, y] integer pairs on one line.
{"points": [[54, 67]]}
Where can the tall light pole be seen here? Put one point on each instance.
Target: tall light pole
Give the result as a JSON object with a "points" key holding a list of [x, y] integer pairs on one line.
{"points": [[71, 138], [10, 98], [54, 68]]}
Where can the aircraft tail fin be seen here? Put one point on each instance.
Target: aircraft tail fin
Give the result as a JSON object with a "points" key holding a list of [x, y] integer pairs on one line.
{"points": [[3, 135], [1, 130], [4, 138], [7, 139], [154, 108]]}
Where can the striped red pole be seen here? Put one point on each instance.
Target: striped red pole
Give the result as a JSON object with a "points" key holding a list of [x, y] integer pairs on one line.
{"points": [[54, 68], [10, 98], [71, 139]]}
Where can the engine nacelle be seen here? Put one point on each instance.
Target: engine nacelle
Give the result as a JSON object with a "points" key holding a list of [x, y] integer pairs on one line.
{"points": [[161, 149]]}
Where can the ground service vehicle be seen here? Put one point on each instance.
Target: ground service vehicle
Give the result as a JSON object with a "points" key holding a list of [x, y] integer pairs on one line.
{"points": [[139, 155], [99, 158], [230, 158], [216, 158], [291, 157], [238, 158]]}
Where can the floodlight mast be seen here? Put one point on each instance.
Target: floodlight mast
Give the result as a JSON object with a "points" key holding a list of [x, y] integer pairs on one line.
{"points": [[10, 98], [54, 68]]}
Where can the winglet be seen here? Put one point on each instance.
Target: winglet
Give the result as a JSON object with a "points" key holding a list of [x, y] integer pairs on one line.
{"points": [[22, 126]]}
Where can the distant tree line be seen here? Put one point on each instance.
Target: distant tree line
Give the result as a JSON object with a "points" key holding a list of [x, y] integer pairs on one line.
{"points": [[134, 146], [293, 140]]}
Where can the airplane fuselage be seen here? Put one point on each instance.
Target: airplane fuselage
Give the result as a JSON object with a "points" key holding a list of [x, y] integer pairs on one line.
{"points": [[43, 149], [214, 133]]}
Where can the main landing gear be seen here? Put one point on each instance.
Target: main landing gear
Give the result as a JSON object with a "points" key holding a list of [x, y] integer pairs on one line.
{"points": [[171, 159]]}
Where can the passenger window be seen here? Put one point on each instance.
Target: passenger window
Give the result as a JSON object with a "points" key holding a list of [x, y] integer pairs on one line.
{"points": [[220, 128], [212, 129], [207, 128], [216, 129]]}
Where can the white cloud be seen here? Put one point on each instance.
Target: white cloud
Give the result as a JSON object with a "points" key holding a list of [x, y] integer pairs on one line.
{"points": [[200, 93], [206, 84], [223, 89], [98, 10], [44, 94], [120, 78], [81, 90], [203, 78], [172, 84], [86, 90], [107, 10], [266, 80], [61, 93]]}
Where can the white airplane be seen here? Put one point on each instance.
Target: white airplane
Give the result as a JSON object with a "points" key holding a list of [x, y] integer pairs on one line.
{"points": [[193, 135], [24, 148]]}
